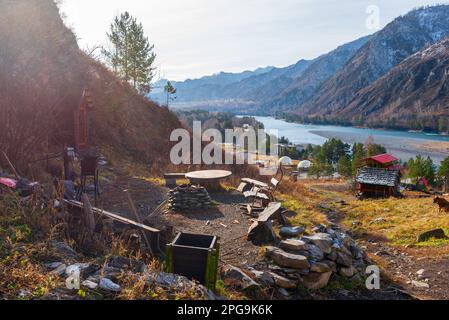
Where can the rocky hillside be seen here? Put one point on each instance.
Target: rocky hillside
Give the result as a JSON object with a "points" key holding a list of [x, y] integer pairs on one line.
{"points": [[386, 49], [305, 85], [43, 75], [415, 94]]}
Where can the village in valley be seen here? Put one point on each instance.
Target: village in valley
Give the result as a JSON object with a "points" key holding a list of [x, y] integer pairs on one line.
{"points": [[99, 202]]}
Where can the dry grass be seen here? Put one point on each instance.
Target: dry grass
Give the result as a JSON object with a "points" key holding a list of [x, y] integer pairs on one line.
{"points": [[400, 220], [298, 198]]}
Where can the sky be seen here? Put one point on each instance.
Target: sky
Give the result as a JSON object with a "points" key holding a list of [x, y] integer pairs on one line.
{"points": [[194, 38]]}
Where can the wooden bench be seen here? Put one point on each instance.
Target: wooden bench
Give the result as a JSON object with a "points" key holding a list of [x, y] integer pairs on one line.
{"points": [[171, 179]]}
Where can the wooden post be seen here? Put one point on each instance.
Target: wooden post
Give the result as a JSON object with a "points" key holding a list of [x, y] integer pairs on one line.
{"points": [[88, 215], [136, 215]]}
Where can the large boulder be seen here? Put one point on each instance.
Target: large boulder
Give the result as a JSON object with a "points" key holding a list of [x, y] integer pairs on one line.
{"points": [[261, 233], [287, 260]]}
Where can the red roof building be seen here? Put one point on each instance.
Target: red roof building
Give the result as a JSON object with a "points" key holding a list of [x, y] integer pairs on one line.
{"points": [[385, 161]]}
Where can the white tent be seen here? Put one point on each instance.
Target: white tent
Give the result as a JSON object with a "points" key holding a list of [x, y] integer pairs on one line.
{"points": [[306, 164], [286, 161]]}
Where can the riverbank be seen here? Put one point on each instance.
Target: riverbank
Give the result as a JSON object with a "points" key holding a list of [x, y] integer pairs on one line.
{"points": [[403, 148], [402, 144]]}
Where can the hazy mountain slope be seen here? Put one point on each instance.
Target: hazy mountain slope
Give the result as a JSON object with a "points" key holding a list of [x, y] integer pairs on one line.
{"points": [[415, 94], [43, 74], [264, 86], [386, 49], [205, 88], [266, 92], [321, 69]]}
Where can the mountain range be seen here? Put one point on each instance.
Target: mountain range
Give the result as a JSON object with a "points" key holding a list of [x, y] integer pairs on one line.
{"points": [[351, 84]]}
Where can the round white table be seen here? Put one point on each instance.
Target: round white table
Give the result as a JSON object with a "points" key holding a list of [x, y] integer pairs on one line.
{"points": [[210, 179]]}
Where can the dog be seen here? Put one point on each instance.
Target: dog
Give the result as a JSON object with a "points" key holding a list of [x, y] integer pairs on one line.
{"points": [[442, 203]]}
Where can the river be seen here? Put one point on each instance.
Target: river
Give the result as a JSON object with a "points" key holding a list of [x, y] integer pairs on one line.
{"points": [[402, 144]]}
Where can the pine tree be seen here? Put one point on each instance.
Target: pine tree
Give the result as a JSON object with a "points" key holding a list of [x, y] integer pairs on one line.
{"points": [[170, 91], [443, 172], [132, 56], [344, 166]]}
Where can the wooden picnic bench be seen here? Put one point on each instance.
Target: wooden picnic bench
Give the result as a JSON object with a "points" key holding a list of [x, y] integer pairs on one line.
{"points": [[258, 190]]}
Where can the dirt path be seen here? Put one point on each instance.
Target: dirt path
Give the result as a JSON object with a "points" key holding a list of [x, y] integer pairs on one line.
{"points": [[421, 272], [411, 268]]}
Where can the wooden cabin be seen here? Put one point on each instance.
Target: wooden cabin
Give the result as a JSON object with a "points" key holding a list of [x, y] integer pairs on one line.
{"points": [[384, 161], [378, 182]]}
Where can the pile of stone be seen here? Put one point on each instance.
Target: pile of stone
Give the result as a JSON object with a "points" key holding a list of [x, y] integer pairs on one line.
{"points": [[187, 197], [307, 261]]}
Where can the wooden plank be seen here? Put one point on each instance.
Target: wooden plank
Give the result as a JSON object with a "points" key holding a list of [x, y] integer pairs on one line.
{"points": [[273, 209], [255, 183], [113, 216]]}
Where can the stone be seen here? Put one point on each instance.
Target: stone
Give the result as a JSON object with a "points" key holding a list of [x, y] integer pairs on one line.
{"points": [[261, 233], [356, 252], [293, 245], [319, 229], [84, 269], [243, 280], [289, 213], [322, 241], [314, 252], [356, 223], [52, 265], [331, 264], [420, 284], [420, 272], [89, 284], [432, 234], [284, 293], [288, 260], [109, 285], [284, 282], [347, 272], [342, 240], [332, 256], [317, 281], [262, 277], [291, 232], [108, 272], [59, 271], [344, 259], [64, 250], [320, 267], [359, 264], [126, 263]]}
